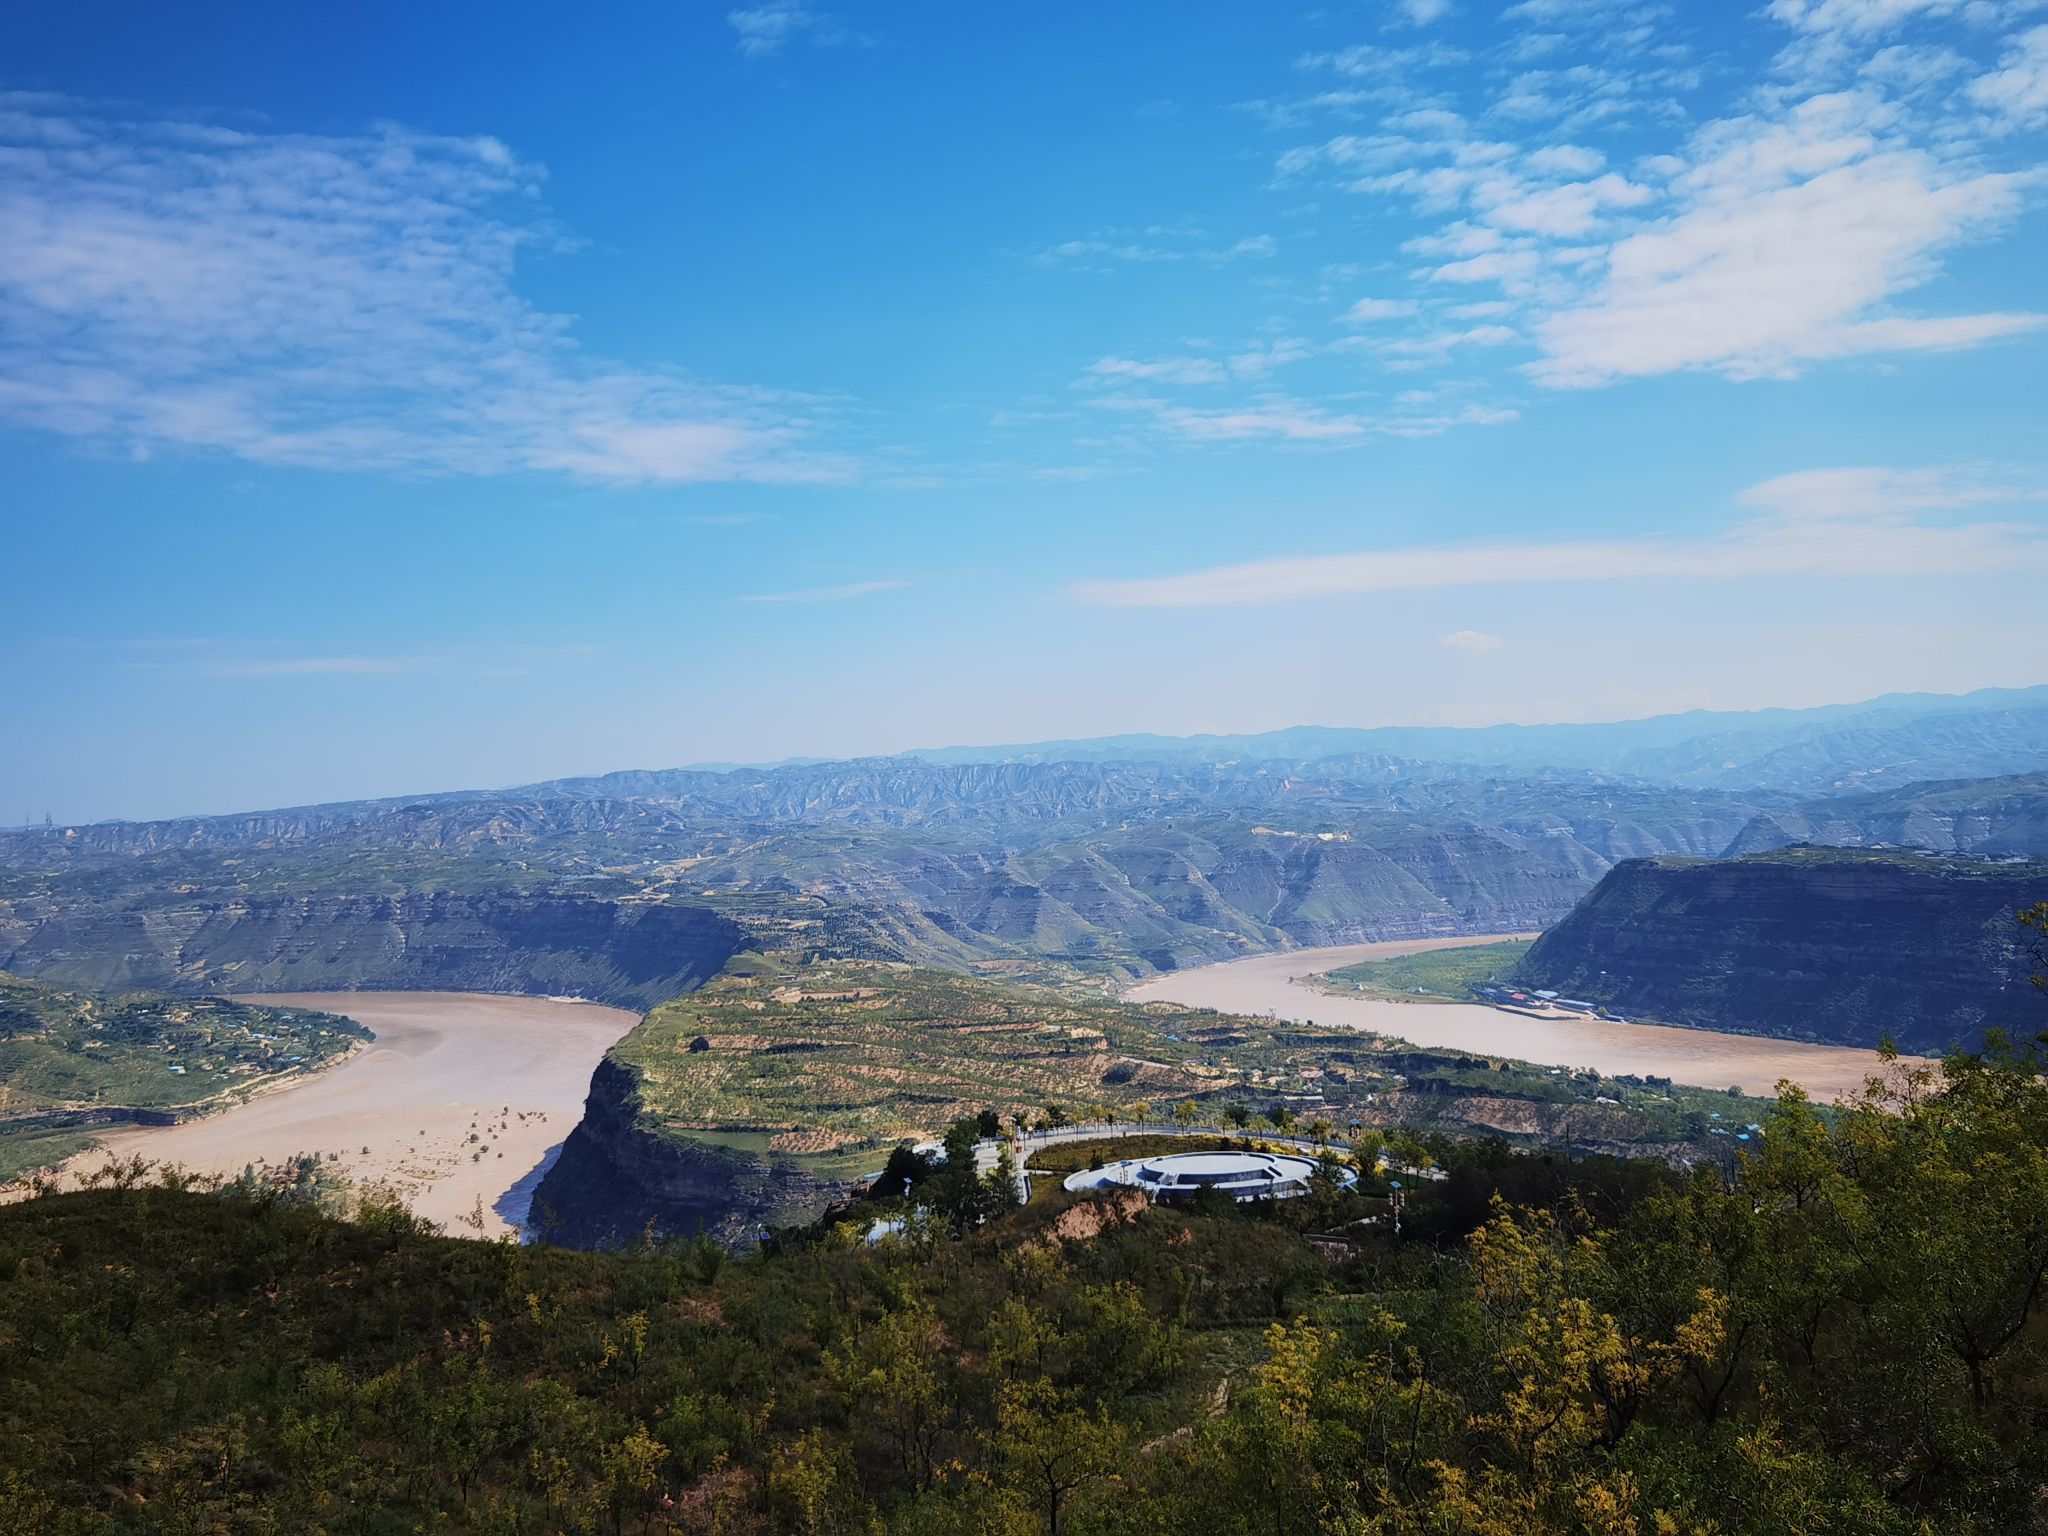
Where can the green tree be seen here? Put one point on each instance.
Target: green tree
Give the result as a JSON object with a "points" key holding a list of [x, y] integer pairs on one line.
{"points": [[813, 1476], [1001, 1182], [629, 1474], [1052, 1450], [891, 1378], [955, 1189]]}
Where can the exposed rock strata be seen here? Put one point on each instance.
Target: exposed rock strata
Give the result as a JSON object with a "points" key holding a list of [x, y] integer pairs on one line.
{"points": [[619, 1178], [629, 954], [1807, 944]]}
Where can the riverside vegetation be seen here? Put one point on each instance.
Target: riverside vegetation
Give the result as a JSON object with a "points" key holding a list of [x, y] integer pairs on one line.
{"points": [[71, 1060], [1434, 976], [1839, 1332]]}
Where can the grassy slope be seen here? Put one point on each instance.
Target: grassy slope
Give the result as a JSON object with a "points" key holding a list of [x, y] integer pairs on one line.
{"points": [[193, 1362], [246, 1366], [1444, 975]]}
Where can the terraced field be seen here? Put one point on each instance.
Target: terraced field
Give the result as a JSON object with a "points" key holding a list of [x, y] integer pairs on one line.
{"points": [[852, 1057], [765, 1091]]}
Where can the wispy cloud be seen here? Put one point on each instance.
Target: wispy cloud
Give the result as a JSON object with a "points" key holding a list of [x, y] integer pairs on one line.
{"points": [[2016, 93], [1822, 523], [1367, 311], [328, 302], [1790, 230], [320, 666], [1854, 493], [219, 656], [838, 594], [1784, 247], [768, 27], [1421, 13], [1164, 370], [1157, 243], [1473, 642]]}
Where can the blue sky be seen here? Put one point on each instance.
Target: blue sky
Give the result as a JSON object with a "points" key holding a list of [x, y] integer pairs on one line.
{"points": [[401, 398]]}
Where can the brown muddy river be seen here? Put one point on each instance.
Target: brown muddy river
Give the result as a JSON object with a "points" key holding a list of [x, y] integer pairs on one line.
{"points": [[457, 1100], [1267, 985]]}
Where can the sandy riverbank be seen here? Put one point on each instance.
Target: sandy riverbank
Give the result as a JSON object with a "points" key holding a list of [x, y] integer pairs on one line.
{"points": [[512, 1071], [1271, 984]]}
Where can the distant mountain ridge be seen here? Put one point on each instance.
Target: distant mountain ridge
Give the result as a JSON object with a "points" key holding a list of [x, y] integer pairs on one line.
{"points": [[1899, 737], [1149, 854], [2004, 817], [1098, 867], [1829, 749]]}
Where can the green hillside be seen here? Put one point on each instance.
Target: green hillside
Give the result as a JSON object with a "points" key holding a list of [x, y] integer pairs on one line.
{"points": [[1846, 1339]]}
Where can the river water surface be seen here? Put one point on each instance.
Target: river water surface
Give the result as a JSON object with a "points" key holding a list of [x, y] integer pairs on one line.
{"points": [[1270, 985], [457, 1100]]}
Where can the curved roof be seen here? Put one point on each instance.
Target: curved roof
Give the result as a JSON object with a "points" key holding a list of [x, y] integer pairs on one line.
{"points": [[1241, 1174]]}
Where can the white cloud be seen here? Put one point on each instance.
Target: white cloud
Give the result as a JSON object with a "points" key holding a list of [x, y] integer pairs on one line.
{"points": [[1164, 370], [838, 594], [1565, 160], [1156, 244], [1858, 17], [766, 28], [1365, 311], [1852, 493], [1509, 268], [1571, 209], [1366, 62], [1871, 532], [1752, 278], [1251, 245], [325, 302], [1794, 229], [2017, 91], [1286, 420], [1422, 13], [1472, 641], [1278, 418], [319, 666]]}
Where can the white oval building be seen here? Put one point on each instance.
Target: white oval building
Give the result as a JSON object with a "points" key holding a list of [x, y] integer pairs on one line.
{"points": [[1179, 1176]]}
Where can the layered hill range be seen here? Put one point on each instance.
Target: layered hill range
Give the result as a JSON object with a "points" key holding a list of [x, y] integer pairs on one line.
{"points": [[1121, 855], [1845, 946], [1992, 818]]}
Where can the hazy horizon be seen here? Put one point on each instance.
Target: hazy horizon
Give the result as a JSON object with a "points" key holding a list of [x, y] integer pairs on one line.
{"points": [[715, 765]]}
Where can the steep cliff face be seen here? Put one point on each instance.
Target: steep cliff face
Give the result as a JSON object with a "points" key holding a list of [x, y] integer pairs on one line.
{"points": [[630, 954], [1810, 944], [618, 1178]]}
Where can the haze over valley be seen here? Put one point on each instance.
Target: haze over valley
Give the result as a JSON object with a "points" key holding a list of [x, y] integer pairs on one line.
{"points": [[1678, 871]]}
